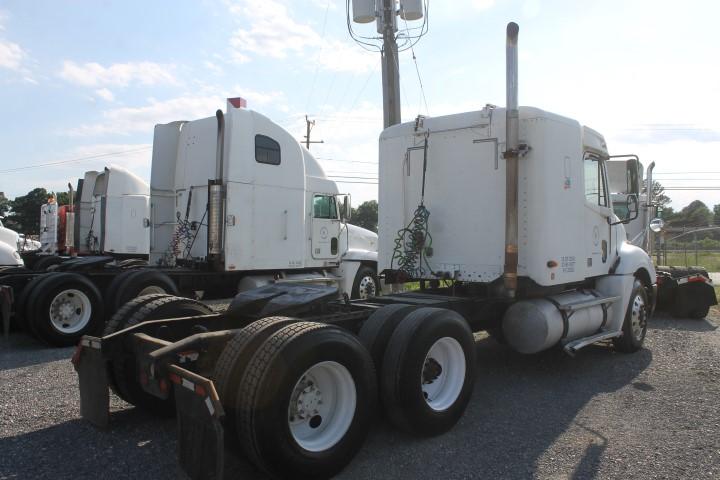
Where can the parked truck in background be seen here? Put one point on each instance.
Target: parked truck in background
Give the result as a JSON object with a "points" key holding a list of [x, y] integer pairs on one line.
{"points": [[228, 209], [503, 215], [685, 292]]}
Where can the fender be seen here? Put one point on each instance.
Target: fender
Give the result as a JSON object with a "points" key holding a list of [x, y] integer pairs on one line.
{"points": [[357, 255], [632, 259]]}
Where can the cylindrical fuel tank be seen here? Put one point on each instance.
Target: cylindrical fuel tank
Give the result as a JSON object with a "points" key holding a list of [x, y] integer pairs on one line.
{"points": [[531, 326]]}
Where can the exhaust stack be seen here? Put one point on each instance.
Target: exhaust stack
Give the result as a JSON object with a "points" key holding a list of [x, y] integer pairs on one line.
{"points": [[215, 199], [512, 127]]}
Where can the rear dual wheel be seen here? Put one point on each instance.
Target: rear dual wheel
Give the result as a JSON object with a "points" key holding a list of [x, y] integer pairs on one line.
{"points": [[62, 307], [123, 369], [427, 368], [304, 401]]}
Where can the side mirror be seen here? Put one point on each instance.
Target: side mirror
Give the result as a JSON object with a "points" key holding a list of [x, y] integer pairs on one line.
{"points": [[346, 209], [633, 208], [657, 224]]}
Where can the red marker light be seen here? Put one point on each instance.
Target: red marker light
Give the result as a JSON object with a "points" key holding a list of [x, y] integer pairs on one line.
{"points": [[238, 102]]}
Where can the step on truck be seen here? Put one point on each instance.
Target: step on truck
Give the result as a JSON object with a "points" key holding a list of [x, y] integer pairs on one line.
{"points": [[504, 218], [684, 292], [235, 202]]}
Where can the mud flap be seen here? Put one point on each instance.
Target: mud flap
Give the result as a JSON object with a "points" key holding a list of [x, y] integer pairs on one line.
{"points": [[92, 373], [201, 452]]}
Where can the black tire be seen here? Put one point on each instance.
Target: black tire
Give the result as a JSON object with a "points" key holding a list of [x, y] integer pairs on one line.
{"points": [[406, 363], [379, 327], [139, 281], [698, 313], [124, 367], [110, 293], [63, 307], [269, 386], [22, 301], [236, 355], [120, 318], [635, 324], [366, 283], [46, 261]]}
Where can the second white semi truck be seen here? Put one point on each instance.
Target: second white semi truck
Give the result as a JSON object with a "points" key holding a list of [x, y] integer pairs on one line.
{"points": [[235, 203], [503, 214]]}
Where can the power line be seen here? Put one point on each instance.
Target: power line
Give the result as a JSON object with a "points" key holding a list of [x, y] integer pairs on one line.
{"points": [[73, 160]]}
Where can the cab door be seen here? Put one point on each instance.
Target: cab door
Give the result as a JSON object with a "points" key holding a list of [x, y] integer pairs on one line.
{"points": [[598, 212], [325, 227]]}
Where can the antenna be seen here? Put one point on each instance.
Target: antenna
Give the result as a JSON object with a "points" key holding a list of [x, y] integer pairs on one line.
{"points": [[389, 42]]}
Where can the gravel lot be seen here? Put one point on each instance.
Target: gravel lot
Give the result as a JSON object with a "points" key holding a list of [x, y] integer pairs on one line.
{"points": [[653, 414]]}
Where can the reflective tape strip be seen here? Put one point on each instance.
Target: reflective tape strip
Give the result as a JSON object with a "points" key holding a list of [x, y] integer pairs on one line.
{"points": [[188, 384], [210, 405]]}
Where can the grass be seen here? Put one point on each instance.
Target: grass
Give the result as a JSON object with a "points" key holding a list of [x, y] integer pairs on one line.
{"points": [[709, 260]]}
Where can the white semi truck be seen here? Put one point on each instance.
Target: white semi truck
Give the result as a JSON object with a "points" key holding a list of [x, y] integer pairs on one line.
{"points": [[685, 292], [503, 215], [229, 208]]}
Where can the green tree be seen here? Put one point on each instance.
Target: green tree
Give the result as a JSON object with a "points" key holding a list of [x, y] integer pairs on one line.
{"points": [[696, 214], [5, 205], [26, 211], [366, 215], [659, 196], [716, 214]]}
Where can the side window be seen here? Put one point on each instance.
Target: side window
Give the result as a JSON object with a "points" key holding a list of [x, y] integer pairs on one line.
{"points": [[324, 206], [267, 150], [594, 181]]}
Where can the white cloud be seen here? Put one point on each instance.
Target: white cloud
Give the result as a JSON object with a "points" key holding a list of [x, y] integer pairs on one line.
{"points": [[482, 4], [105, 94], [345, 57], [255, 97], [11, 56], [119, 74], [272, 31], [3, 18], [127, 120]]}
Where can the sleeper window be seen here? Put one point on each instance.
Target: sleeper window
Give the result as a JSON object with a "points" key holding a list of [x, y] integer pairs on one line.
{"points": [[267, 150]]}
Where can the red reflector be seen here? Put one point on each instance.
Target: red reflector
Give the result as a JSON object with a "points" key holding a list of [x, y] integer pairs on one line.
{"points": [[238, 102], [163, 385], [699, 278], [76, 356], [200, 390], [175, 379]]}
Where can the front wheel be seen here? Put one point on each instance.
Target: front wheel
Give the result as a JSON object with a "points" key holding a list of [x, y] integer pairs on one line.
{"points": [[635, 325], [366, 284]]}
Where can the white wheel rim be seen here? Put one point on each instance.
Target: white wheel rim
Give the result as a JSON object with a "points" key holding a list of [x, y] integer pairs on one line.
{"points": [[367, 287], [322, 406], [150, 290], [70, 311], [638, 317], [443, 374]]}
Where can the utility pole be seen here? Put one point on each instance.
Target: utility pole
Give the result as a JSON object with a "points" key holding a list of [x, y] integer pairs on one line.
{"points": [[309, 126], [390, 65]]}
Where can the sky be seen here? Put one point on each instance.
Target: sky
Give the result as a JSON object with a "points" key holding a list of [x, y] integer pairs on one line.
{"points": [[86, 80]]}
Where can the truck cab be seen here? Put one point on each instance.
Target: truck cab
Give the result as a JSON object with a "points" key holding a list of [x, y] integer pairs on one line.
{"points": [[238, 193]]}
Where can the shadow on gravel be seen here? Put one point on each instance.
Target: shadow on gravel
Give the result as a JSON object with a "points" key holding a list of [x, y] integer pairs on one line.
{"points": [[520, 406], [137, 446], [683, 325], [19, 350]]}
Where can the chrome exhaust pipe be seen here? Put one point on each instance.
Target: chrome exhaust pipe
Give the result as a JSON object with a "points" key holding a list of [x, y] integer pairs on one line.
{"points": [[512, 127], [215, 200]]}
